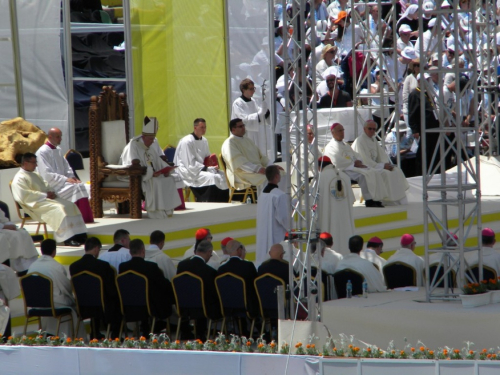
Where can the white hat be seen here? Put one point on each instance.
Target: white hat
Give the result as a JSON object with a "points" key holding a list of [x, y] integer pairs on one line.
{"points": [[426, 75], [321, 26], [332, 71], [150, 126], [404, 28], [432, 22], [402, 127], [435, 56], [428, 6], [451, 47], [409, 53], [464, 24], [445, 4], [410, 10]]}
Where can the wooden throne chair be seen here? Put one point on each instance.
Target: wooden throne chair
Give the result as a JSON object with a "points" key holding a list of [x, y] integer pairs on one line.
{"points": [[108, 136]]}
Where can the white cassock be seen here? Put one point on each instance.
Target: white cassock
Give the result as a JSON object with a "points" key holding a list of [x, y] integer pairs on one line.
{"points": [[9, 289], [335, 213], [61, 290], [63, 216], [154, 254], [312, 166], [330, 260], [370, 181], [407, 256], [373, 278], [243, 161], [373, 156], [491, 258], [372, 256], [115, 258], [189, 157], [257, 127], [54, 168], [214, 262], [160, 192], [17, 246], [273, 215]]}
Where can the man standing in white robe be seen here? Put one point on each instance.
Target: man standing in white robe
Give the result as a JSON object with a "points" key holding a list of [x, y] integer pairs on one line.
{"points": [[54, 168], [273, 215], [207, 183], [256, 118], [17, 245], [350, 162], [245, 164], [335, 202], [406, 255], [159, 188], [373, 156], [42, 204]]}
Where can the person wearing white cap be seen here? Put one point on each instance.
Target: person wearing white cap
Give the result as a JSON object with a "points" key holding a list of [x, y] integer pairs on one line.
{"points": [[328, 57], [410, 17], [430, 40], [403, 41], [335, 97], [159, 188]]}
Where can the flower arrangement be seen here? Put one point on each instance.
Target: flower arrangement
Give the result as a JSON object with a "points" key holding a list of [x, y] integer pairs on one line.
{"points": [[493, 284], [475, 288], [346, 346]]}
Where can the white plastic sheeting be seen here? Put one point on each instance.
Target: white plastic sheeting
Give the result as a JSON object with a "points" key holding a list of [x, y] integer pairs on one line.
{"points": [[45, 98]]}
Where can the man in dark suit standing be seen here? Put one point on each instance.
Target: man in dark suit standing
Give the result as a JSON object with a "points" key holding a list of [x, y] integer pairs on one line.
{"points": [[160, 289], [90, 263], [276, 265], [197, 264]]}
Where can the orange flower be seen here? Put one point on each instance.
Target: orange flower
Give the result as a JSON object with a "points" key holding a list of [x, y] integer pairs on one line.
{"points": [[402, 352], [431, 352], [261, 345], [412, 349], [155, 341], [471, 351], [489, 356], [456, 351], [422, 349], [308, 346], [40, 337], [493, 356], [68, 340], [484, 350], [484, 281], [249, 343], [369, 350], [177, 342], [313, 346], [272, 345], [166, 342], [117, 340], [56, 338], [298, 345], [142, 338], [393, 351], [356, 349], [126, 338], [350, 346], [334, 349], [445, 352]]}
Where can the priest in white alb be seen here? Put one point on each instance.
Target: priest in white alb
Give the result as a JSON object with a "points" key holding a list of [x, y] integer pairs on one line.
{"points": [[54, 168], [42, 204], [273, 215], [335, 202], [245, 164], [372, 185], [158, 185], [374, 156], [9, 290], [194, 166], [17, 245]]}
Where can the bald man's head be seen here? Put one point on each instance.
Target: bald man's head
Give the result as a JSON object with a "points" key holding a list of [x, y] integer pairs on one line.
{"points": [[236, 249], [55, 136], [276, 251]]}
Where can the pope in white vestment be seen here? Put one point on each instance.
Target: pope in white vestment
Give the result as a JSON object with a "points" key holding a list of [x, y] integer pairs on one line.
{"points": [[160, 190], [373, 156], [17, 245], [31, 192], [273, 216]]}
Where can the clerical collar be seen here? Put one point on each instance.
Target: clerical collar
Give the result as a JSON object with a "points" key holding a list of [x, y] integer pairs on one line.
{"points": [[245, 99], [269, 187], [195, 137], [50, 145], [116, 247]]}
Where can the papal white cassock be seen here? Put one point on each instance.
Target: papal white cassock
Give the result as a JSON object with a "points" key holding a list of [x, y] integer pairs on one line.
{"points": [[373, 156], [343, 157], [258, 127], [243, 161], [9, 289], [335, 207], [273, 214], [55, 170], [160, 192], [17, 246], [30, 191], [365, 267], [189, 157]]}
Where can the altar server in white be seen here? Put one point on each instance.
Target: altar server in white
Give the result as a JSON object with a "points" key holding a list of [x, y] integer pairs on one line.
{"points": [[54, 168], [335, 201], [255, 115], [17, 245], [373, 156], [273, 215], [159, 188], [42, 204], [406, 255], [206, 182], [9, 289], [350, 162]]}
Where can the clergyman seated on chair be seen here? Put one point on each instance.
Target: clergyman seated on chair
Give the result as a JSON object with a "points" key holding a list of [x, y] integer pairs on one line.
{"points": [[154, 253], [364, 267], [195, 166], [119, 252], [276, 265], [42, 204], [406, 255]]}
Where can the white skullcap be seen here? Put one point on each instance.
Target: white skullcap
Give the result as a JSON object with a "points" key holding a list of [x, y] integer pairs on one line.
{"points": [[332, 71]]}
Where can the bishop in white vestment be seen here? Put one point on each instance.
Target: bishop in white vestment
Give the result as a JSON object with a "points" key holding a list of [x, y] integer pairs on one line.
{"points": [[35, 197], [273, 215], [406, 255], [374, 157], [54, 168], [159, 189]]}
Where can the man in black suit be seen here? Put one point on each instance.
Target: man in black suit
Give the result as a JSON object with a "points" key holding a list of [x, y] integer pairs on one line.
{"points": [[160, 289], [276, 265], [239, 266], [197, 264], [89, 262]]}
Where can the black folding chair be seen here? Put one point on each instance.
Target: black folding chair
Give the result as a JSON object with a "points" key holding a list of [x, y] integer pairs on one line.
{"points": [[451, 276], [38, 299], [233, 299], [488, 272], [340, 279], [89, 294], [399, 274], [266, 287]]}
